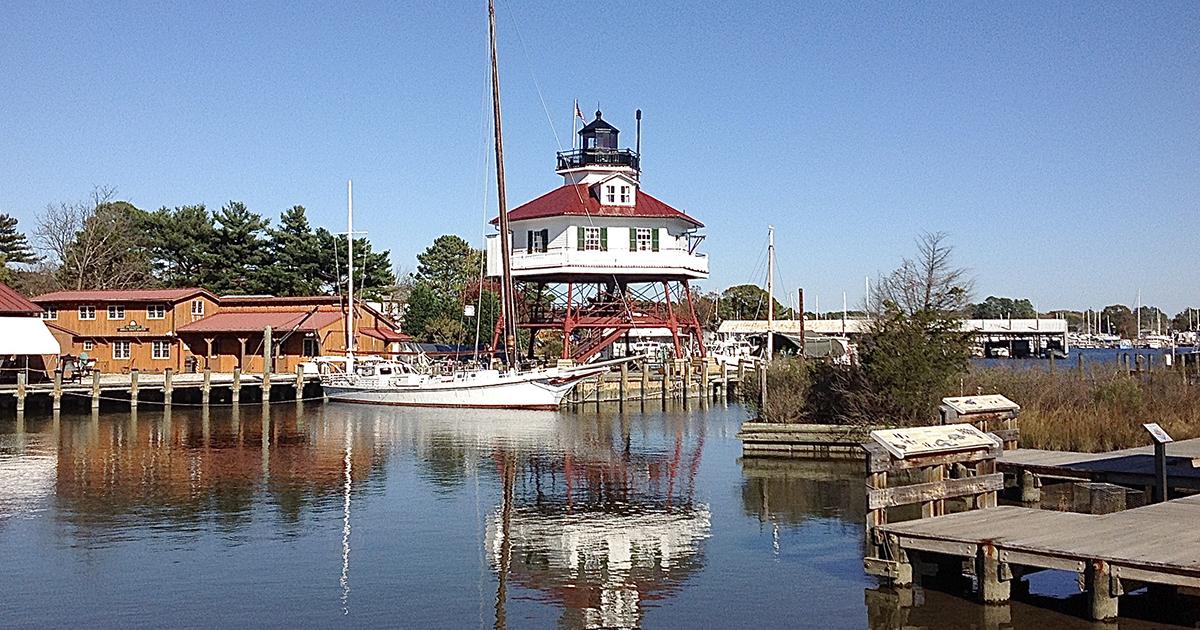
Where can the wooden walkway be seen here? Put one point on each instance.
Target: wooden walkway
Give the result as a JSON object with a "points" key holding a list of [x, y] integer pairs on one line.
{"points": [[1128, 467], [1155, 544]]}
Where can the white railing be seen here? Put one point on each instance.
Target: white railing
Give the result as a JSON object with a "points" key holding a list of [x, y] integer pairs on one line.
{"points": [[668, 260]]}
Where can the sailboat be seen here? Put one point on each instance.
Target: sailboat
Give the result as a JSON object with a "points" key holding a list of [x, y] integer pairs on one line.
{"points": [[375, 380]]}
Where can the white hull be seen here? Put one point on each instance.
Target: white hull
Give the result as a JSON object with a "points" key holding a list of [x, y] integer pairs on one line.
{"points": [[480, 390]]}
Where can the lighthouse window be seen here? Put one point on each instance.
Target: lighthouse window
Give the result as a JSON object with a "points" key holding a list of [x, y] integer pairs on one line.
{"points": [[591, 239], [644, 240], [610, 194], [625, 194]]}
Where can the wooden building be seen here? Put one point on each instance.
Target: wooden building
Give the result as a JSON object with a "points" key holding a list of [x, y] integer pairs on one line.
{"points": [[187, 329], [125, 329]]}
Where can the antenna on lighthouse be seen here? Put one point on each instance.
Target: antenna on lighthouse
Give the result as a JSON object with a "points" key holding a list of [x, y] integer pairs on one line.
{"points": [[637, 148]]}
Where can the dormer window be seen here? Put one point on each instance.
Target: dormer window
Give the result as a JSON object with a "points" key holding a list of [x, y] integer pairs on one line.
{"points": [[625, 194], [610, 194]]}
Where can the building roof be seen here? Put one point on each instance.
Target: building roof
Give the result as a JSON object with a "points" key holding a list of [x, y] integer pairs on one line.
{"points": [[385, 334], [256, 321], [13, 303], [122, 295], [274, 300], [578, 200], [597, 123]]}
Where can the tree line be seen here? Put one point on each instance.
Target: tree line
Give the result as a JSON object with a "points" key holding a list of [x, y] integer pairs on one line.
{"points": [[105, 243]]}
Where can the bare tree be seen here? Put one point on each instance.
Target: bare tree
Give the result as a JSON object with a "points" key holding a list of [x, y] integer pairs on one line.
{"points": [[95, 243], [929, 283]]}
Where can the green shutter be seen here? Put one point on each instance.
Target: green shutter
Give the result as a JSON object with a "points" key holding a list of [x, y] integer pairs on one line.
{"points": [[528, 241], [654, 239], [545, 240], [580, 240], [603, 239], [633, 239]]}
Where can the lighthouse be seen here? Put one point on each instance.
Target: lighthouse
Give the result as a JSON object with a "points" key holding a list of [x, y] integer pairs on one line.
{"points": [[598, 256]]}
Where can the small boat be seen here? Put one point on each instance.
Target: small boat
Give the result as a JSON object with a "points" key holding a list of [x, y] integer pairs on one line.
{"points": [[378, 381]]}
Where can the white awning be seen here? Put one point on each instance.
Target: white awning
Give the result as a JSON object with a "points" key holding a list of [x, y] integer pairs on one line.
{"points": [[26, 335]]}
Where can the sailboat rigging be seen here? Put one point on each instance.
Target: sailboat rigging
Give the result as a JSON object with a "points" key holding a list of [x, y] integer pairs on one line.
{"points": [[381, 381]]}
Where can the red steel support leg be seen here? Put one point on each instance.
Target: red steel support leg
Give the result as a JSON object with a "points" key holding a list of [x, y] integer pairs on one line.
{"points": [[695, 323], [672, 322], [566, 326]]}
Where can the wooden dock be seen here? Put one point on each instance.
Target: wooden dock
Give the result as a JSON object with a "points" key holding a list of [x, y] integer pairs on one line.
{"points": [[1115, 553], [1155, 545], [1132, 467]]}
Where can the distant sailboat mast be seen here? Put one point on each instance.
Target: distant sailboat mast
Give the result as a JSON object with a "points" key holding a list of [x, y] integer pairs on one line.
{"points": [[350, 274]]}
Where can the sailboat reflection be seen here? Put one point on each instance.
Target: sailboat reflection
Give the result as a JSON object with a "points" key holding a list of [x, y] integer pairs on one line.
{"points": [[601, 527]]}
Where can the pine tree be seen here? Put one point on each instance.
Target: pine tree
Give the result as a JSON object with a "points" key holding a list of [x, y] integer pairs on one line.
{"points": [[240, 251], [14, 246], [181, 243], [295, 255]]}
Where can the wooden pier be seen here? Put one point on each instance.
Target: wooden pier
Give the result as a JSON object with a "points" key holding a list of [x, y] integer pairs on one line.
{"points": [[1115, 553], [165, 388], [1132, 467]]}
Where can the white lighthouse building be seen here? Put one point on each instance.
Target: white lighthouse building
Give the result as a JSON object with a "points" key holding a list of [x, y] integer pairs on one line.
{"points": [[605, 256]]}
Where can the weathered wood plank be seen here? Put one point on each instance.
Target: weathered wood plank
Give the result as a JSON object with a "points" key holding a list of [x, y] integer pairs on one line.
{"points": [[932, 491]]}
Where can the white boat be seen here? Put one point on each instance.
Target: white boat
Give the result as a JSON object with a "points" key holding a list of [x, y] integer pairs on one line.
{"points": [[377, 381]]}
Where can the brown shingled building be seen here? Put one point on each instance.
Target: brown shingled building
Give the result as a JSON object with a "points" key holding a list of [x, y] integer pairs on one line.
{"points": [[187, 329]]}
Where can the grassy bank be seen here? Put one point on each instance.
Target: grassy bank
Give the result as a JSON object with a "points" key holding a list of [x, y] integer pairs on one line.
{"points": [[1093, 412], [1100, 410]]}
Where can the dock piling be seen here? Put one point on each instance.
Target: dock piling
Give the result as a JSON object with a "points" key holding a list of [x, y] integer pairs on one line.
{"points": [[995, 578], [57, 395], [206, 386], [299, 382], [1103, 588], [133, 389], [96, 389], [168, 386], [645, 376], [21, 378], [235, 389], [624, 385]]}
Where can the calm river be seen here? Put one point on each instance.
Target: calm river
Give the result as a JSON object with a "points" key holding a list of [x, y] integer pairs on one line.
{"points": [[373, 517]]}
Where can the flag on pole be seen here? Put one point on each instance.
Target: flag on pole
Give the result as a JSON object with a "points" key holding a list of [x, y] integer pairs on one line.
{"points": [[579, 112]]}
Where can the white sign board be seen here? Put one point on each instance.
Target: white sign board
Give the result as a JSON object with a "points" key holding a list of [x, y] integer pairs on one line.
{"points": [[946, 438], [990, 403], [1156, 432]]}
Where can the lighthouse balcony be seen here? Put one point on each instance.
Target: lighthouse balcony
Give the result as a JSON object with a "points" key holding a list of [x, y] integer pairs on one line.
{"points": [[579, 158], [565, 263]]}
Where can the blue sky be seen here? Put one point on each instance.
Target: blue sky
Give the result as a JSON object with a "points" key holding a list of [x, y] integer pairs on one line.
{"points": [[1057, 143]]}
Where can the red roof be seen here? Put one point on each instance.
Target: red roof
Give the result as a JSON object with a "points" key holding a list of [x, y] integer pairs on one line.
{"points": [[578, 200], [122, 295], [13, 303], [385, 334], [256, 321]]}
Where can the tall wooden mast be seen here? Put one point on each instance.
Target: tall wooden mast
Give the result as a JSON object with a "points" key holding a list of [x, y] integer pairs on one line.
{"points": [[508, 309]]}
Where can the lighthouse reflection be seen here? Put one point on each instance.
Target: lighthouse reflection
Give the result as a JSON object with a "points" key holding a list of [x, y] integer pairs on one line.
{"points": [[595, 521]]}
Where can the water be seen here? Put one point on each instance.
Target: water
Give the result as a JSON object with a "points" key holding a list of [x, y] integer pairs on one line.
{"points": [[374, 517], [1108, 357]]}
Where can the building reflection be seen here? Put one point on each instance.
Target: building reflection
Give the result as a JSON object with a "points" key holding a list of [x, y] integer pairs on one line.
{"points": [[190, 467], [793, 491], [598, 523]]}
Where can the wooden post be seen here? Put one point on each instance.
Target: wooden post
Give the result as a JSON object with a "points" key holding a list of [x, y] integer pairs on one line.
{"points": [[724, 382], [56, 404], [133, 389], [96, 389], [1030, 491], [1103, 588], [624, 385], [235, 390], [206, 386], [599, 386], [645, 382], [266, 369], [1079, 362], [687, 377], [666, 384], [995, 583], [1051, 362], [705, 393], [21, 376], [168, 387], [299, 382]]}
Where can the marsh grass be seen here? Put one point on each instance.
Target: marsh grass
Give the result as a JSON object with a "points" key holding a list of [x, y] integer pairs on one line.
{"points": [[1096, 411]]}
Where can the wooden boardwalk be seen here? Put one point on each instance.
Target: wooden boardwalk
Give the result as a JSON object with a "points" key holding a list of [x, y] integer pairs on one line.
{"points": [[1156, 544], [1128, 467]]}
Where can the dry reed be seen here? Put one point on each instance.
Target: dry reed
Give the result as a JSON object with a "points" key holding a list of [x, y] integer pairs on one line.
{"points": [[1094, 411]]}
